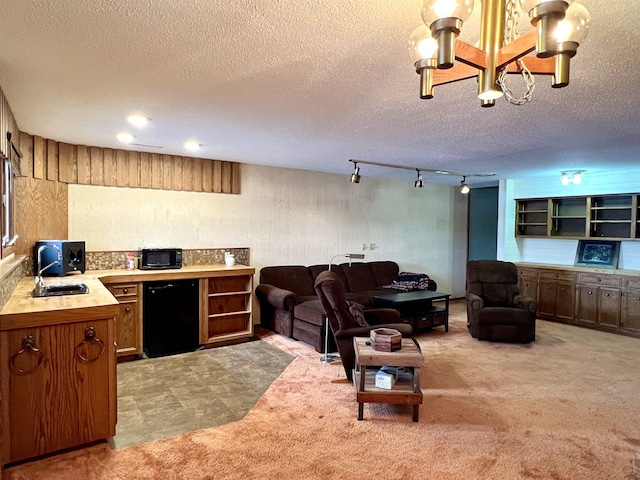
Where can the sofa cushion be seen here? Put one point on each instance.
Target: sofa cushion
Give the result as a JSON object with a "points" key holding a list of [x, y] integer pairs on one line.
{"points": [[295, 278], [359, 277], [310, 312], [384, 272]]}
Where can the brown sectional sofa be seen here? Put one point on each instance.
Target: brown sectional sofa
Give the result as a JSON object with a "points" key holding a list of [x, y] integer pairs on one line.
{"points": [[289, 304]]}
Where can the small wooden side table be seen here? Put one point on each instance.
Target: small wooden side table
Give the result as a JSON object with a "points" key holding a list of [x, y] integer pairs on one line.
{"points": [[406, 390]]}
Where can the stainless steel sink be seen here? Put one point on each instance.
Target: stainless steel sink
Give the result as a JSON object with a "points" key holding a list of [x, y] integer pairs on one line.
{"points": [[63, 289]]}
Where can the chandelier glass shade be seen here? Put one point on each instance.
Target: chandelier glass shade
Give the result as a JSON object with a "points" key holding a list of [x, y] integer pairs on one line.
{"points": [[439, 57]]}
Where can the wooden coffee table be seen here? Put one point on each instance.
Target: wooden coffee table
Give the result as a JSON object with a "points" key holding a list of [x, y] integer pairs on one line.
{"points": [[406, 390]]}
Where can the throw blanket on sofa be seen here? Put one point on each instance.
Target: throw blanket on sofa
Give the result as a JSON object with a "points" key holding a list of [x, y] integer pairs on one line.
{"points": [[409, 281]]}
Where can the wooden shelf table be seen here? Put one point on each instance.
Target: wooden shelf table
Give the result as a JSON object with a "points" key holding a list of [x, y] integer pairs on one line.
{"points": [[406, 390]]}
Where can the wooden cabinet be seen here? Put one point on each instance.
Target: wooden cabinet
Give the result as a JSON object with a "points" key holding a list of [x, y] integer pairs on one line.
{"points": [[59, 387], [532, 217], [586, 297], [226, 306], [599, 300], [556, 294], [597, 216], [612, 216], [528, 282], [631, 306], [129, 321]]}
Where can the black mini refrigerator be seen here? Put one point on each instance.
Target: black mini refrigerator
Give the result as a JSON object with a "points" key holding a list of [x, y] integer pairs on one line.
{"points": [[170, 317]]}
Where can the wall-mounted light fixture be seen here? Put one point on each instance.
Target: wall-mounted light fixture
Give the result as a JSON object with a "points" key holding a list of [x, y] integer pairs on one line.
{"points": [[571, 178], [464, 188]]}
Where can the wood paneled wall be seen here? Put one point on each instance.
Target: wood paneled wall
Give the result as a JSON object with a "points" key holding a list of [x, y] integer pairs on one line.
{"points": [[7, 124], [57, 161]]}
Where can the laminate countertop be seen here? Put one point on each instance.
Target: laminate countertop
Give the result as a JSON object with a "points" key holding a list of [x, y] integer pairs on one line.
{"points": [[24, 311]]}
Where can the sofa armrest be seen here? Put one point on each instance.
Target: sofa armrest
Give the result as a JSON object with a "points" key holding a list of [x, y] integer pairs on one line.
{"points": [[475, 302], [278, 297], [377, 316], [525, 303]]}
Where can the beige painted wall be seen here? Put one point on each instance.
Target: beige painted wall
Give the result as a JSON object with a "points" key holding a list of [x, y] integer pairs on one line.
{"points": [[287, 216]]}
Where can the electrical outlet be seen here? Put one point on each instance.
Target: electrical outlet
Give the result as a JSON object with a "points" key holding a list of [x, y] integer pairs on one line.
{"points": [[372, 246]]}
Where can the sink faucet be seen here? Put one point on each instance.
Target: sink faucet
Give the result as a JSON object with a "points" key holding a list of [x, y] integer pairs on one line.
{"points": [[39, 281]]}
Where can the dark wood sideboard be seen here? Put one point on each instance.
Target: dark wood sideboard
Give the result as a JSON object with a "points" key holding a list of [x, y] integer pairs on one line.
{"points": [[592, 298]]}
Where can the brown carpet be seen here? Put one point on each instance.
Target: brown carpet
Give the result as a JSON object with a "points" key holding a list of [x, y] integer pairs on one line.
{"points": [[565, 407]]}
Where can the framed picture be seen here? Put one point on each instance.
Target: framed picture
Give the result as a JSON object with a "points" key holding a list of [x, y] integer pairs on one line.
{"points": [[597, 253]]}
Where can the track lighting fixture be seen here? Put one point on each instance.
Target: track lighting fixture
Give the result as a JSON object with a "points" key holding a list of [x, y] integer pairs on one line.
{"points": [[464, 188], [355, 176], [419, 182]]}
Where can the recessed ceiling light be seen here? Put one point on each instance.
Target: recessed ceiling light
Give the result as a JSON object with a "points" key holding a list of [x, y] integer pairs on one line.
{"points": [[125, 137], [138, 120], [192, 145]]}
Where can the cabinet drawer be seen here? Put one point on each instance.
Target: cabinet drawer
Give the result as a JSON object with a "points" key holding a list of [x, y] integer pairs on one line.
{"points": [[599, 279], [124, 290], [631, 282], [556, 275], [527, 272]]}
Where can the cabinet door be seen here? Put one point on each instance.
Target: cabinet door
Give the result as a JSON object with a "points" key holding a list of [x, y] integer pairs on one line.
{"points": [[587, 309], [565, 301], [60, 389], [528, 287], [631, 311], [129, 321], [547, 298], [128, 328], [609, 307]]}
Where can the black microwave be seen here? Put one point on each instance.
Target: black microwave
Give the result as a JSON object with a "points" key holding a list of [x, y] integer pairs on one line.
{"points": [[160, 258]]}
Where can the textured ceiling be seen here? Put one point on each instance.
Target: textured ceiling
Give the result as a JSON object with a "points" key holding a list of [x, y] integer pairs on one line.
{"points": [[309, 84]]}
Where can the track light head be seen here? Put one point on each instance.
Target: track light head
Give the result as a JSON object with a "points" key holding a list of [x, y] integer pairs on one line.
{"points": [[355, 176], [464, 188], [418, 183]]}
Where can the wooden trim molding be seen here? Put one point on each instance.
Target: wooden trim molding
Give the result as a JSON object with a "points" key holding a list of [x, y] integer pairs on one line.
{"points": [[80, 164]]}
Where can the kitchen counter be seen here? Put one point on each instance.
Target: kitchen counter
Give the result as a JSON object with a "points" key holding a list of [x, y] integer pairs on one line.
{"points": [[22, 310]]}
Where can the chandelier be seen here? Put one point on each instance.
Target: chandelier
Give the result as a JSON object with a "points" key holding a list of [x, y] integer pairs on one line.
{"points": [[561, 25]]}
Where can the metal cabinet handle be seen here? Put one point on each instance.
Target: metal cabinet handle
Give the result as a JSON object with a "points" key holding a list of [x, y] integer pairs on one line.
{"points": [[90, 339], [125, 290], [127, 309], [590, 293], [599, 279], [606, 294], [28, 347]]}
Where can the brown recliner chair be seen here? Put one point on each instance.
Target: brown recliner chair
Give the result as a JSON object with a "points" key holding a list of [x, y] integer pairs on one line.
{"points": [[495, 309], [331, 292]]}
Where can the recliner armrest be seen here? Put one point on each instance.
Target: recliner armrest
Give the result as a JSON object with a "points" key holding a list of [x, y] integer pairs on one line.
{"points": [[475, 302], [376, 316], [278, 297], [405, 329], [525, 303]]}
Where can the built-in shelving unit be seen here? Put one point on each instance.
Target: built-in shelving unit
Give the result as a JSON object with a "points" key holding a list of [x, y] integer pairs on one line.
{"points": [[599, 216], [228, 308], [532, 217]]}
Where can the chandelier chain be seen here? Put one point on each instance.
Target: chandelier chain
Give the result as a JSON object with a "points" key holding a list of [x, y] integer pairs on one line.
{"points": [[510, 34]]}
